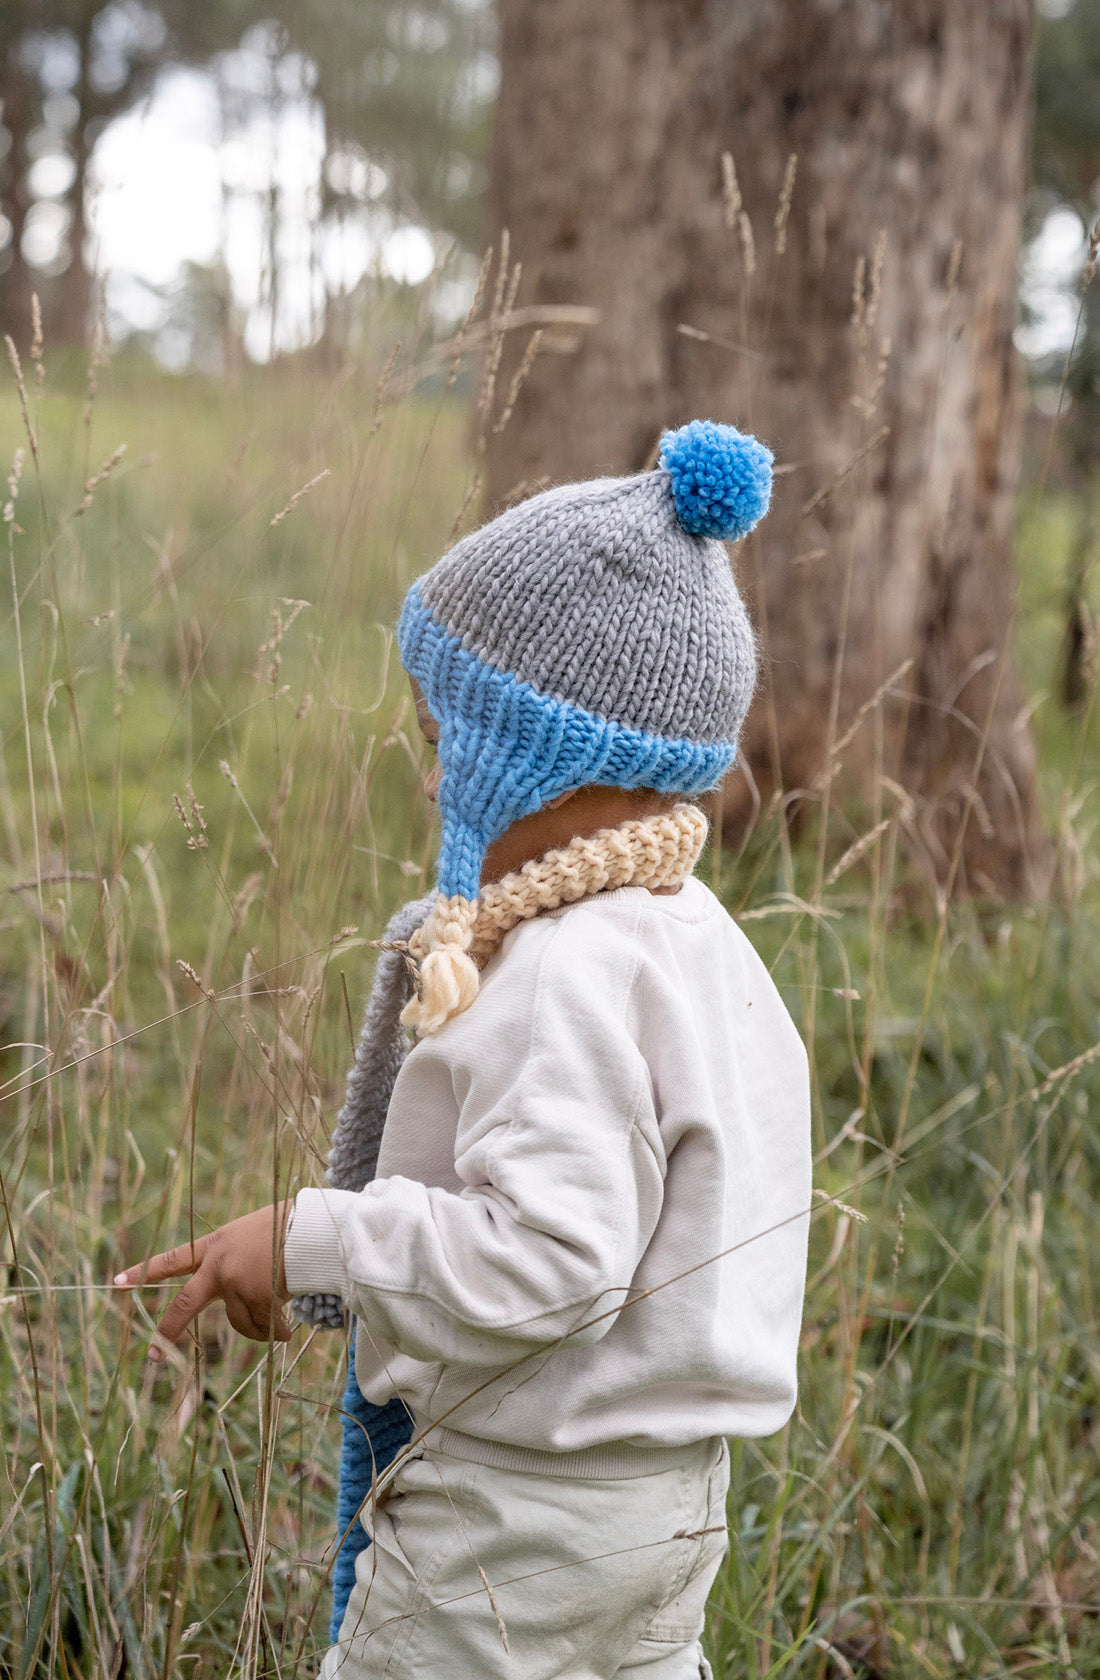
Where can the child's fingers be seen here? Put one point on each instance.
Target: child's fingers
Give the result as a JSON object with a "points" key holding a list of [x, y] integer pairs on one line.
{"points": [[175, 1262], [197, 1292]]}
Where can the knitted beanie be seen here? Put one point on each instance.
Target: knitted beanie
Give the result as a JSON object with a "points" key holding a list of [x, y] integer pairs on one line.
{"points": [[593, 634]]}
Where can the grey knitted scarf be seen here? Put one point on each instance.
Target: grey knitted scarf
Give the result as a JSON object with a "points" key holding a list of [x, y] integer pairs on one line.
{"points": [[379, 1053]]}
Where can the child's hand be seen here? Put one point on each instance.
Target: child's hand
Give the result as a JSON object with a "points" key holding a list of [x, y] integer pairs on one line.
{"points": [[235, 1264]]}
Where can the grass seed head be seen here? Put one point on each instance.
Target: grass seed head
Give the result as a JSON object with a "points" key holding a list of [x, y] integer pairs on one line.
{"points": [[37, 340], [748, 245], [731, 191], [14, 476], [783, 211]]}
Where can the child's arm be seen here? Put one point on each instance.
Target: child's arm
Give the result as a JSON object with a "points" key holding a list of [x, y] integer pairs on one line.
{"points": [[240, 1263], [558, 1153]]}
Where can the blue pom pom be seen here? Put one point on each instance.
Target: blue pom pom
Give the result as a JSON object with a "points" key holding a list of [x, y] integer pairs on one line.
{"points": [[721, 478]]}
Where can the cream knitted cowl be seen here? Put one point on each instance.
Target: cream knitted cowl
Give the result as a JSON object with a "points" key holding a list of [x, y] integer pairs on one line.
{"points": [[459, 936]]}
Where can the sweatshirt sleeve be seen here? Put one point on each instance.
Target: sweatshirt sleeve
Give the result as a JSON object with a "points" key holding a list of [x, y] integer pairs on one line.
{"points": [[562, 1177]]}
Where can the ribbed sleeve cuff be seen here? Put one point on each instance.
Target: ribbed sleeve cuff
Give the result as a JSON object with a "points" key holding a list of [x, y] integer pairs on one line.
{"points": [[314, 1253]]}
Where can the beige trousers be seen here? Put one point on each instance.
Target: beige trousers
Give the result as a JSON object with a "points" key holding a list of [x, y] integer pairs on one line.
{"points": [[478, 1572]]}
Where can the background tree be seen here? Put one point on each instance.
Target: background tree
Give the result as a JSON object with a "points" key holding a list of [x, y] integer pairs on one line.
{"points": [[1067, 173], [67, 68], [405, 93], [408, 90], [856, 309]]}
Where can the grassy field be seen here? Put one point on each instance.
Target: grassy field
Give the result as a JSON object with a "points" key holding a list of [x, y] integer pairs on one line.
{"points": [[209, 791]]}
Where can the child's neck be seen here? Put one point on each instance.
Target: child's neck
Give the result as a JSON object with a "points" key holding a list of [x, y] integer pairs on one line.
{"points": [[573, 817]]}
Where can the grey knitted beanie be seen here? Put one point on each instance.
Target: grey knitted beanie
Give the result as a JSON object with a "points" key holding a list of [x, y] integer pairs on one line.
{"points": [[591, 634]]}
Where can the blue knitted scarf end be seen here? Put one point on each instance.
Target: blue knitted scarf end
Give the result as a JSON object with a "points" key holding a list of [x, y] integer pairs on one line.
{"points": [[372, 1438]]}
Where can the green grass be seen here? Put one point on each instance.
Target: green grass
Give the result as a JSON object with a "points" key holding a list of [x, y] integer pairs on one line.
{"points": [[936, 1499]]}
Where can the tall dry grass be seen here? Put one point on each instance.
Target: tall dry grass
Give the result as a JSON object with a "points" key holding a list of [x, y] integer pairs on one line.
{"points": [[209, 789]]}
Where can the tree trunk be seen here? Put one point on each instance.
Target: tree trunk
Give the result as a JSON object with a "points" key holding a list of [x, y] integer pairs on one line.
{"points": [[72, 319], [869, 342], [16, 284]]}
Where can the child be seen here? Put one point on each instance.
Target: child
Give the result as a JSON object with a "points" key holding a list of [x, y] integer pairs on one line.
{"points": [[581, 1262]]}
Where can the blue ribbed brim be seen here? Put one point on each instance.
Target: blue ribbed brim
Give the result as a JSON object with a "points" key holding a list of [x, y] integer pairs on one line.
{"points": [[505, 750]]}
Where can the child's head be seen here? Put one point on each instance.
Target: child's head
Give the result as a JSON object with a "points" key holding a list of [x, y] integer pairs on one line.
{"points": [[592, 635]]}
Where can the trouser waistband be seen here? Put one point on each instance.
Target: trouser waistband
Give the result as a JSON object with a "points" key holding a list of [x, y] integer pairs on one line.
{"points": [[616, 1460]]}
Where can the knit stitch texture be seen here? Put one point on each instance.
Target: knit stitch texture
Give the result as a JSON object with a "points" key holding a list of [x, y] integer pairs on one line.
{"points": [[719, 491], [593, 634], [507, 749], [371, 1438], [655, 851]]}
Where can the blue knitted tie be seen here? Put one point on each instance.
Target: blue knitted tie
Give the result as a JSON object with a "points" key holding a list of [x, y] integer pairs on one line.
{"points": [[372, 1438]]}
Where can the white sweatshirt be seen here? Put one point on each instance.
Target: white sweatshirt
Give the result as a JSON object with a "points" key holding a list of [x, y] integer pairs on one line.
{"points": [[590, 1220]]}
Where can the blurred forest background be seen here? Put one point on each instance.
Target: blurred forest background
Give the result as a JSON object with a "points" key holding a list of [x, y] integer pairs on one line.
{"points": [[228, 185], [346, 146], [294, 295]]}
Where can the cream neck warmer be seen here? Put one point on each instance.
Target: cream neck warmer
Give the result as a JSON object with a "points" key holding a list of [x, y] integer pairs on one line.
{"points": [[460, 935]]}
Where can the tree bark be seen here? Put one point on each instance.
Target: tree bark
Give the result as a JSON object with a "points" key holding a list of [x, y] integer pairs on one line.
{"points": [[16, 285], [869, 342], [72, 318]]}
